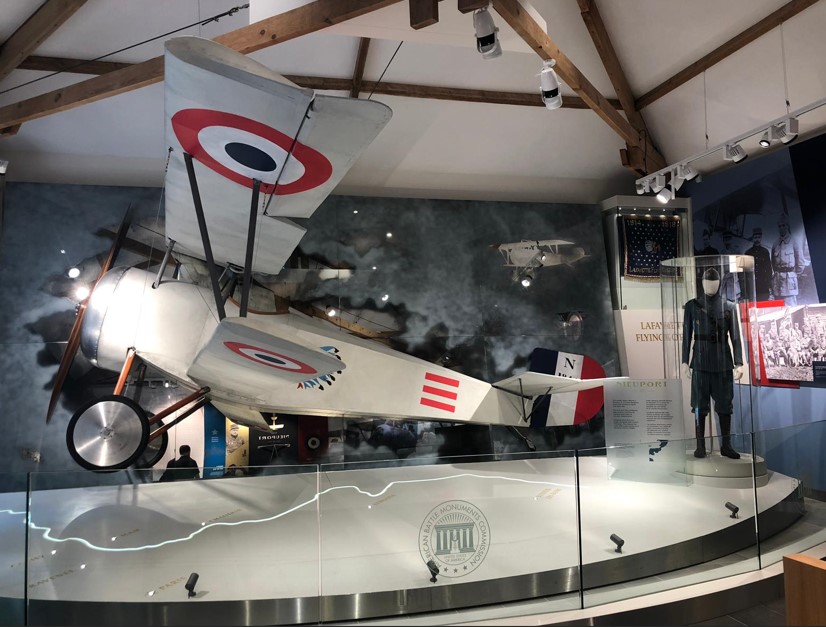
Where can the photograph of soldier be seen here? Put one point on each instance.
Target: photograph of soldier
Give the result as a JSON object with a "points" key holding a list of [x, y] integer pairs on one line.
{"points": [[788, 262], [730, 287], [237, 445], [763, 272], [712, 359], [792, 339], [707, 248]]}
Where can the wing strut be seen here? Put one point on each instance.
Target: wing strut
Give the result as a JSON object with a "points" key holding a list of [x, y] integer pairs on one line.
{"points": [[210, 260], [165, 261], [245, 292]]}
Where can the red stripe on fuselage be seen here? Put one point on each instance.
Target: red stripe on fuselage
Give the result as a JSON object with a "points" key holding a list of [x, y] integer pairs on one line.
{"points": [[439, 392], [440, 379], [438, 405]]}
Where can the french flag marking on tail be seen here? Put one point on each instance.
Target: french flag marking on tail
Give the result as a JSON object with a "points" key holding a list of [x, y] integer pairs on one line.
{"points": [[571, 408], [440, 392]]}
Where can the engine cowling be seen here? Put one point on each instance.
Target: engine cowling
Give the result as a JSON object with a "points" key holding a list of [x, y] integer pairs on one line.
{"points": [[165, 325]]}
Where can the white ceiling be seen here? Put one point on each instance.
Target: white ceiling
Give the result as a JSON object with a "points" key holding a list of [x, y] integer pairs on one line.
{"points": [[434, 148]]}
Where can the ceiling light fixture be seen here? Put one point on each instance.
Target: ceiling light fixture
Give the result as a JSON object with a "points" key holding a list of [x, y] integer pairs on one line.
{"points": [[487, 42], [331, 311], [665, 194], [735, 153], [790, 128], [658, 183], [785, 129], [766, 140], [686, 172], [549, 85], [527, 279]]}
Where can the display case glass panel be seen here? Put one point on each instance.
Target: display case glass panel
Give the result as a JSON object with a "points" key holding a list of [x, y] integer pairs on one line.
{"points": [[438, 537], [13, 532], [670, 529]]}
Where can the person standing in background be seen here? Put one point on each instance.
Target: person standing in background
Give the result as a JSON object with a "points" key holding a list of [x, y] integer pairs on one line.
{"points": [[763, 272], [788, 261]]}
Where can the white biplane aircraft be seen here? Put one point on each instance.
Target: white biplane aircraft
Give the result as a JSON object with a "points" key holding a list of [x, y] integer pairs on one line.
{"points": [[528, 255], [236, 130]]}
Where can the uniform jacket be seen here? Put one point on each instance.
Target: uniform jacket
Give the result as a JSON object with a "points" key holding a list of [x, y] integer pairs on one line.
{"points": [[711, 321]]}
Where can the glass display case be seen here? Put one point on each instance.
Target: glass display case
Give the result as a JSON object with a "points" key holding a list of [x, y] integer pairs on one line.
{"points": [[710, 344]]}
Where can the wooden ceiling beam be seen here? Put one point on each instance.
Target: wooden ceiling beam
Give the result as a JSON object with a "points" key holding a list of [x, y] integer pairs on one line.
{"points": [[599, 35], [73, 66], [34, 31], [423, 13], [602, 41], [358, 71], [466, 6], [274, 30], [439, 93], [536, 37], [734, 44]]}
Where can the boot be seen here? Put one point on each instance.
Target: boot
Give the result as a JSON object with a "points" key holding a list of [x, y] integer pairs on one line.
{"points": [[725, 431], [700, 431]]}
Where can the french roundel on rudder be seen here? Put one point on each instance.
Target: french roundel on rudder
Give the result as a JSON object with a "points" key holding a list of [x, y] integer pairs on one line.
{"points": [[242, 149]]}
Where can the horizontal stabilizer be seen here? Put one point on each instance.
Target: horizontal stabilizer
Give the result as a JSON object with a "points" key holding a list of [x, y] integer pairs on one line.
{"points": [[537, 384]]}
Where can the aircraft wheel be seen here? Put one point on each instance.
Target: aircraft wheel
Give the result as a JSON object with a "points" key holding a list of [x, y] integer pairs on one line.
{"points": [[108, 433], [155, 449]]}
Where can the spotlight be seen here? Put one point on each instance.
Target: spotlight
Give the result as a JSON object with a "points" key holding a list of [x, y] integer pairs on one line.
{"points": [[487, 42], [658, 183], [549, 85], [618, 541], [527, 279], [190, 585], [4, 164], [385, 298], [790, 128], [643, 186], [686, 172], [664, 195], [732, 508], [74, 273], [765, 141], [434, 570], [166, 384], [735, 153], [82, 292], [331, 311]]}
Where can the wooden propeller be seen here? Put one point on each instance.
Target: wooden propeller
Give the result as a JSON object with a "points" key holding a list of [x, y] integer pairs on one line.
{"points": [[73, 343]]}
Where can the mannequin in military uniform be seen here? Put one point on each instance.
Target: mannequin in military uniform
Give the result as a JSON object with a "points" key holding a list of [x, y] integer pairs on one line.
{"points": [[711, 321]]}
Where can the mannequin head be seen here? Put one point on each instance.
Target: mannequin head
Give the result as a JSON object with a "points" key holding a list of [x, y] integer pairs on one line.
{"points": [[711, 282]]}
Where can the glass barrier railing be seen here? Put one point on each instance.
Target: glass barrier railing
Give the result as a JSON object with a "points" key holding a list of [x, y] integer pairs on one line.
{"points": [[128, 538], [792, 457], [351, 541], [653, 512], [493, 532], [13, 544]]}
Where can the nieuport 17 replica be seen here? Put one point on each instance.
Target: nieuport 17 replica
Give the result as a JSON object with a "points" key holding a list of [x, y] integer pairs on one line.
{"points": [[249, 152]]}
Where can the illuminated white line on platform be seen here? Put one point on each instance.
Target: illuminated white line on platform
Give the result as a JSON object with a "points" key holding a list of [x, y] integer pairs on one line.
{"points": [[47, 530]]}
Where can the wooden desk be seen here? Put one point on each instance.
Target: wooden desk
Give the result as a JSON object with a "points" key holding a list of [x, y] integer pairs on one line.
{"points": [[804, 579]]}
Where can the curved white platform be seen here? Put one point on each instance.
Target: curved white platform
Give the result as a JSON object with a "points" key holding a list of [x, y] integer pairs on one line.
{"points": [[724, 471], [345, 534]]}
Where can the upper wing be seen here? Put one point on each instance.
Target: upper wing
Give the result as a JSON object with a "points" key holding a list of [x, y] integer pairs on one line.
{"points": [[554, 242], [240, 121], [538, 384]]}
